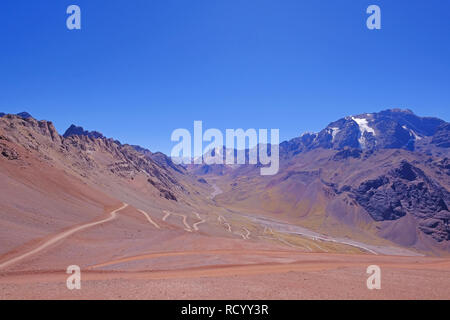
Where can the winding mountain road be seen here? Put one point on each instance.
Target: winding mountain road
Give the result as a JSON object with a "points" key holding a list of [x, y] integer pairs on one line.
{"points": [[149, 219], [60, 237], [216, 191], [195, 225], [247, 235], [183, 216]]}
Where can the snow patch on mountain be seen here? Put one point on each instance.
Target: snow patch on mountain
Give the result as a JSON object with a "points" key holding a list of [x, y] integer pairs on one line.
{"points": [[334, 132], [412, 133], [363, 125]]}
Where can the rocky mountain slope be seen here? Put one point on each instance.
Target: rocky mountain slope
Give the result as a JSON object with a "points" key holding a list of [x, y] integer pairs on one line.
{"points": [[382, 175], [390, 129], [51, 181]]}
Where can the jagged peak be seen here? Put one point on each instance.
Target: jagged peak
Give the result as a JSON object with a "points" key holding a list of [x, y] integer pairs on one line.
{"points": [[308, 133], [74, 130], [140, 149], [398, 110], [23, 115]]}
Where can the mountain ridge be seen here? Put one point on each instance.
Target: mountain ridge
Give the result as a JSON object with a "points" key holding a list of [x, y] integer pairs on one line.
{"points": [[356, 181], [386, 176], [388, 129]]}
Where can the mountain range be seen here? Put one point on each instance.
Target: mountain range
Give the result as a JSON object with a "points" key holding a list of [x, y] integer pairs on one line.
{"points": [[377, 178], [380, 174]]}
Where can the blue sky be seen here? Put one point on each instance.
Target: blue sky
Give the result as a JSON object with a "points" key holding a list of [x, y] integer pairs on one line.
{"points": [[139, 69]]}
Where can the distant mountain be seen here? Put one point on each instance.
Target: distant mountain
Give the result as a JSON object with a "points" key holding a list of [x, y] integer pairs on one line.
{"points": [[389, 129], [73, 130], [383, 174], [24, 115]]}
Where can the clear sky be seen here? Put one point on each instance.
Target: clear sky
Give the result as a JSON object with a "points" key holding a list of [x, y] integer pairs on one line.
{"points": [[138, 69]]}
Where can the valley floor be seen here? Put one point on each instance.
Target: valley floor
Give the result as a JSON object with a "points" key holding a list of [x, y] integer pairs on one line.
{"points": [[129, 253], [311, 276]]}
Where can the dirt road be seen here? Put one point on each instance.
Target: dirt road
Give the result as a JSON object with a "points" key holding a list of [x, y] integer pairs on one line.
{"points": [[60, 237]]}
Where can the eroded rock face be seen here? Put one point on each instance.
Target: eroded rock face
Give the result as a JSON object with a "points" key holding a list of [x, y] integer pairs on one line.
{"points": [[407, 190], [127, 162], [7, 152], [88, 153], [442, 137], [347, 153], [443, 166]]}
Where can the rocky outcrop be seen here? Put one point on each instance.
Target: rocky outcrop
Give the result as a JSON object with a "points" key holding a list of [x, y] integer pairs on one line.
{"points": [[347, 153], [29, 132], [407, 190], [166, 162], [442, 137], [8, 152]]}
